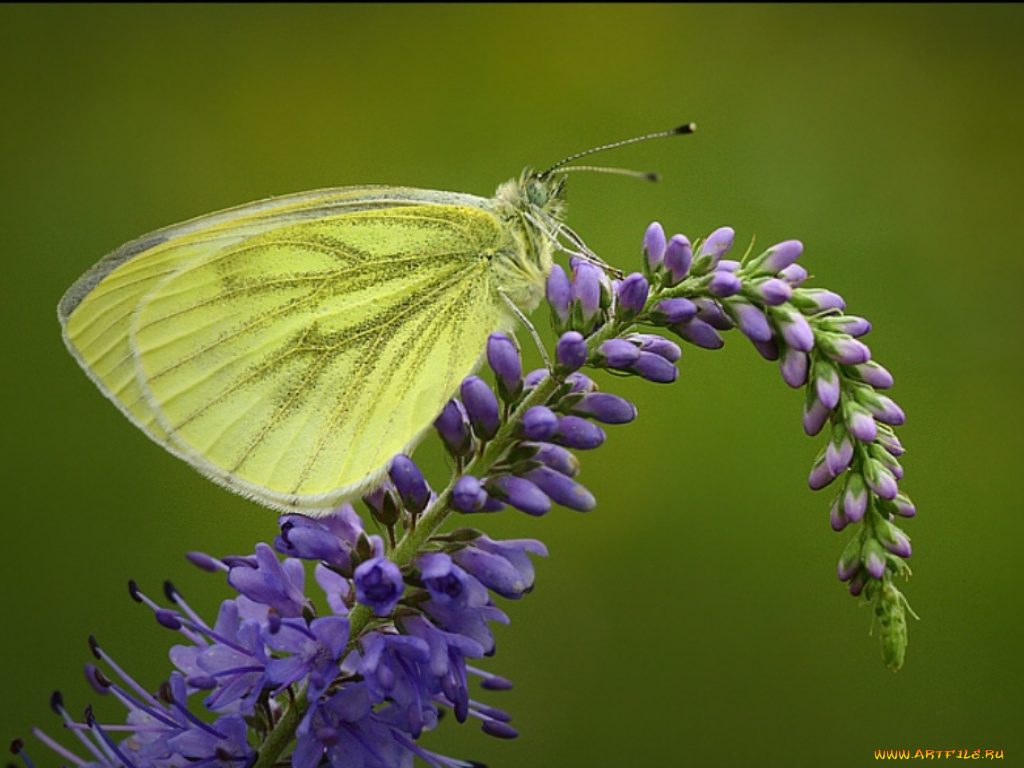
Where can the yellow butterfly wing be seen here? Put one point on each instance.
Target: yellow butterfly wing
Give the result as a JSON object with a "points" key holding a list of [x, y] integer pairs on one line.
{"points": [[289, 349]]}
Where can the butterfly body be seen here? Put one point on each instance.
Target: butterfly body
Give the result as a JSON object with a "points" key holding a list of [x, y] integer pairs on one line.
{"points": [[289, 348]]}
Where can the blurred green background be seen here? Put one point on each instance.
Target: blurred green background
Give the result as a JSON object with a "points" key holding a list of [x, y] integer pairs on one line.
{"points": [[694, 618]]}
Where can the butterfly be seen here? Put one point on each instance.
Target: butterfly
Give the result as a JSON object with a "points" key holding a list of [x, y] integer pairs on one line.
{"points": [[288, 349]]}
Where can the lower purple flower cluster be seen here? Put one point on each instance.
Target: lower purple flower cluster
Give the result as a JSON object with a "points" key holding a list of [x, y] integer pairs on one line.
{"points": [[369, 697]]}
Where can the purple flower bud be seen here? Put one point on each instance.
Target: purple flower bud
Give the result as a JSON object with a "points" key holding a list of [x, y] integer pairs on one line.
{"points": [[453, 427], [562, 489], [820, 300], [793, 366], [724, 284], [873, 557], [794, 274], [559, 459], [750, 320], [773, 291], [711, 313], [559, 292], [604, 407], [795, 329], [769, 350], [904, 507], [849, 324], [586, 287], [885, 410], [849, 562], [571, 350], [846, 350], [718, 243], [581, 383], [678, 258], [481, 406], [498, 729], [820, 475], [859, 422], [409, 482], [503, 357], [619, 353], [577, 432], [654, 244], [880, 480], [379, 585], [700, 333], [893, 539], [520, 493], [535, 377], [857, 583], [672, 311], [539, 423], [855, 498], [495, 572], [873, 374], [890, 442], [827, 386], [657, 345], [468, 495], [839, 453], [814, 417], [447, 583], [837, 517], [655, 368], [727, 265], [780, 256], [633, 294]]}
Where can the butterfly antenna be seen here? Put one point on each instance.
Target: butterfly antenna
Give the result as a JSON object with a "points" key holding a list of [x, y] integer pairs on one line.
{"points": [[645, 175], [686, 128]]}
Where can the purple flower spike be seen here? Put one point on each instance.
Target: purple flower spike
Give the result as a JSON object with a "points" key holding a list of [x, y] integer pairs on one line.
{"points": [[409, 482], [773, 291], [793, 366], [657, 345], [481, 406], [379, 585], [814, 417], [860, 422], [571, 350], [561, 489], [724, 284], [794, 274], [619, 353], [539, 423], [654, 245], [605, 407], [655, 368], [700, 333], [559, 292], [750, 320], [875, 375], [521, 494], [586, 287], [780, 256], [453, 427], [577, 432], [503, 357], [633, 292], [855, 498], [826, 384], [678, 258], [718, 244], [468, 495]]}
